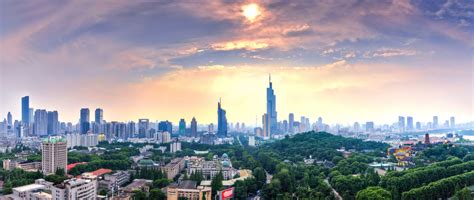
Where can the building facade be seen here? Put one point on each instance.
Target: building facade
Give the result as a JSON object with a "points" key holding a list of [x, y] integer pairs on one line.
{"points": [[54, 155]]}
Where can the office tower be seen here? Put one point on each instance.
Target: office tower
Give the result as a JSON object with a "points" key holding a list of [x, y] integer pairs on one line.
{"points": [[210, 128], [182, 127], [409, 123], [84, 120], [435, 122], [291, 121], [418, 126], [320, 123], [131, 130], [271, 108], [285, 126], [369, 126], [194, 127], [32, 118], [165, 126], [452, 122], [25, 110], [356, 127], [221, 121], [53, 123], [401, 123], [237, 127], [266, 127], [143, 127], [40, 127], [54, 155], [10, 120], [99, 116], [446, 124], [427, 138], [121, 131]]}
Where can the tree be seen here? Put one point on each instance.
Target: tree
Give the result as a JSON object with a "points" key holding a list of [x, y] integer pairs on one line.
{"points": [[374, 193], [139, 195], [463, 194], [260, 177], [157, 194], [161, 183], [103, 192], [216, 183]]}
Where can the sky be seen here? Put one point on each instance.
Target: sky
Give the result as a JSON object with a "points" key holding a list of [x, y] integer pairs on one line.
{"points": [[346, 61]]}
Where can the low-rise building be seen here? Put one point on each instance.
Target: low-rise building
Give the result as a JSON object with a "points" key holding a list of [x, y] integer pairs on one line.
{"points": [[138, 184], [174, 167], [209, 169], [188, 189], [113, 181], [75, 189]]}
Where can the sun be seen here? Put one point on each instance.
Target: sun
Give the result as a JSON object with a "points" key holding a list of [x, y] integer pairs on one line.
{"points": [[251, 11]]}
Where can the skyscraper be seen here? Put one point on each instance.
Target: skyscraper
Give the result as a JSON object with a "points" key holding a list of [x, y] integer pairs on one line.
{"points": [[99, 116], [265, 129], [54, 155], [131, 130], [53, 123], [435, 122], [143, 126], [194, 127], [401, 123], [25, 110], [271, 108], [84, 120], [9, 119], [221, 121], [409, 123], [452, 122], [165, 126], [182, 127], [291, 121], [41, 122]]}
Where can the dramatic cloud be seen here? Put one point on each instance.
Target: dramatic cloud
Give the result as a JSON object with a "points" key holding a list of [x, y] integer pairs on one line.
{"points": [[171, 58]]}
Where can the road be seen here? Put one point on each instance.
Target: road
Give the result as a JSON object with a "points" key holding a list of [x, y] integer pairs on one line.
{"points": [[333, 190]]}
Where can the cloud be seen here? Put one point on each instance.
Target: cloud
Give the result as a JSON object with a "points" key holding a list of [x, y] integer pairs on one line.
{"points": [[237, 45], [385, 52]]}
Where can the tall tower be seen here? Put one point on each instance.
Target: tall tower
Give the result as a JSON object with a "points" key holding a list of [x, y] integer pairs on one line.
{"points": [[182, 127], [221, 121], [54, 155], [194, 127], [25, 110], [271, 109], [84, 120], [99, 116]]}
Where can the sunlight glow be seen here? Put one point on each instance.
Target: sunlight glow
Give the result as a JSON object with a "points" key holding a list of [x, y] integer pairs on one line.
{"points": [[251, 11]]}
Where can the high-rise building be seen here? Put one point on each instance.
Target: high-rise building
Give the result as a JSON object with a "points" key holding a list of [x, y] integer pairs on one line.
{"points": [[84, 120], [418, 126], [452, 121], [221, 121], [369, 126], [356, 127], [32, 117], [99, 116], [25, 110], [9, 119], [409, 123], [285, 126], [131, 129], [54, 155], [266, 127], [165, 126], [435, 122], [194, 127], [291, 121], [53, 123], [143, 127], [182, 127], [401, 123], [271, 108], [40, 127]]}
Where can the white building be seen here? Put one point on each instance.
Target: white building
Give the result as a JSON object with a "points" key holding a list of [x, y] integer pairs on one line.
{"points": [[252, 140], [75, 189], [85, 140], [175, 146]]}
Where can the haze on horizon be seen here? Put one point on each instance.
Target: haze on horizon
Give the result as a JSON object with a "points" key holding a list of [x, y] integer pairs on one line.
{"points": [[343, 60]]}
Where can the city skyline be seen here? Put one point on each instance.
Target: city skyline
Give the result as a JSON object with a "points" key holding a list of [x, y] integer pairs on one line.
{"points": [[364, 61]]}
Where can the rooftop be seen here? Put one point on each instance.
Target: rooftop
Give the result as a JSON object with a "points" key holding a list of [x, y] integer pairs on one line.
{"points": [[70, 166], [29, 187]]}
